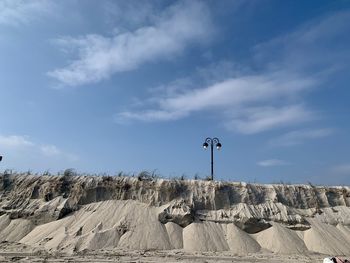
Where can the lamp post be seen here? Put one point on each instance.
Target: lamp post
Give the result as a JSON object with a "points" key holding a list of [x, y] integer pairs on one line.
{"points": [[211, 141]]}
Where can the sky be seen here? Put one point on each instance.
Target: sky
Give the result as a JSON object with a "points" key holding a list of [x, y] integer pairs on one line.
{"points": [[108, 86]]}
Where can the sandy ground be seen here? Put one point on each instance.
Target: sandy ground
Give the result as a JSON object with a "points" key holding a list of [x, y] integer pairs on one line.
{"points": [[18, 253]]}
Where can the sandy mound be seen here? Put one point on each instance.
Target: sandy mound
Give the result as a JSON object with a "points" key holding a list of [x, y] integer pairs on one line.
{"points": [[204, 236], [134, 225], [49, 235], [280, 239], [240, 242], [16, 229], [78, 213], [145, 213], [175, 235], [327, 239], [345, 230], [128, 224], [106, 239], [4, 222]]}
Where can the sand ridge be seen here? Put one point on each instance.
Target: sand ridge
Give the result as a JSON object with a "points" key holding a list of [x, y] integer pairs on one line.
{"points": [[79, 214], [134, 225]]}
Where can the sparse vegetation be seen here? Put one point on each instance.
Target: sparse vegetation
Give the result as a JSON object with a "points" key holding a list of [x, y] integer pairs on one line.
{"points": [[179, 178], [147, 176], [120, 174], [70, 172], [107, 178], [311, 185], [126, 186], [65, 182], [46, 173], [6, 182], [207, 178]]}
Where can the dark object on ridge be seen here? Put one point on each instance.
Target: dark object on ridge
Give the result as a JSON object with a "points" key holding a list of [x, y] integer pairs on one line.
{"points": [[338, 260], [0, 158]]}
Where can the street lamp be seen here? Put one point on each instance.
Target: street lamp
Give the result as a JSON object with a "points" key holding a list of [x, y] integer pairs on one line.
{"points": [[211, 141]]}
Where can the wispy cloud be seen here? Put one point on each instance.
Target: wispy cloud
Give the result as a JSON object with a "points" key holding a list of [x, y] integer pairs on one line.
{"points": [[99, 57], [14, 143], [50, 150], [20, 12], [299, 136], [319, 45], [252, 101], [241, 100], [255, 120], [272, 162]]}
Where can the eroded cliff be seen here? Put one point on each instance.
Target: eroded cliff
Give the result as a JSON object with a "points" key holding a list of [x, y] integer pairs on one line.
{"points": [[178, 207]]}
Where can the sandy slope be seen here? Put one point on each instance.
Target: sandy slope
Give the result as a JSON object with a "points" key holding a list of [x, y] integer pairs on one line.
{"points": [[103, 215], [134, 226], [328, 239]]}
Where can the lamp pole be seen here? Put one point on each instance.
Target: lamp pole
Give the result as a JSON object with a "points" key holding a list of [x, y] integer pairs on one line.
{"points": [[218, 145]]}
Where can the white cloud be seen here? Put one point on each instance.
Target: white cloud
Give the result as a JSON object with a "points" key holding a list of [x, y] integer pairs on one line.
{"points": [[149, 115], [238, 91], [14, 141], [299, 136], [257, 120], [19, 12], [99, 57], [249, 101], [50, 150], [272, 162], [19, 143], [240, 101]]}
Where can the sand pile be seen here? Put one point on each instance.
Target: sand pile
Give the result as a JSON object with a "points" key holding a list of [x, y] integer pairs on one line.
{"points": [[345, 230], [76, 213], [4, 222], [134, 225], [126, 224], [14, 230], [328, 239], [280, 239], [239, 241], [211, 236], [175, 233], [204, 236]]}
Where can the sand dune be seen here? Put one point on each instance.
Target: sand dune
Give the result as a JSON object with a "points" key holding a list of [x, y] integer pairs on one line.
{"points": [[128, 224], [204, 236], [175, 233], [240, 242], [78, 214], [280, 239], [327, 239], [134, 225], [16, 229]]}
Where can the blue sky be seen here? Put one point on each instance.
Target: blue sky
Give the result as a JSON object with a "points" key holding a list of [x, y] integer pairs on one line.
{"points": [[108, 86]]}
